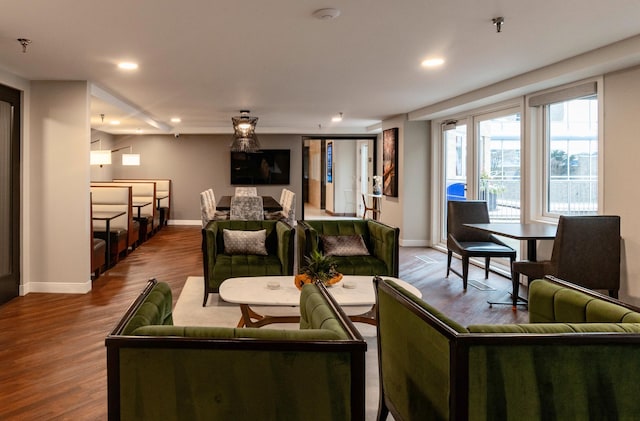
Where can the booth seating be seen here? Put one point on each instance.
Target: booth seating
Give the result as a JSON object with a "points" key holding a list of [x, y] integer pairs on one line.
{"points": [[578, 358], [158, 371], [98, 250], [163, 196], [114, 198]]}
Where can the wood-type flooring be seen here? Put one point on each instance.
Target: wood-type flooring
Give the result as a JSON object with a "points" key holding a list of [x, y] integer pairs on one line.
{"points": [[52, 353]]}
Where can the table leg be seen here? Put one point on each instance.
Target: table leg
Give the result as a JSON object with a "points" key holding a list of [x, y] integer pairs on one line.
{"points": [[248, 315]]}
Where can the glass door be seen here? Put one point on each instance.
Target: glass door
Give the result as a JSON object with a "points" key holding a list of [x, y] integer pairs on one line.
{"points": [[454, 137], [499, 149]]}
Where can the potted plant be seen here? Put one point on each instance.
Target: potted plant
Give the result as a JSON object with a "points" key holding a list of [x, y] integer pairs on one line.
{"points": [[489, 191], [319, 267]]}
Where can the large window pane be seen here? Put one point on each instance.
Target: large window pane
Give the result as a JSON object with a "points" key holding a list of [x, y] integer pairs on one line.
{"points": [[572, 156], [499, 164]]}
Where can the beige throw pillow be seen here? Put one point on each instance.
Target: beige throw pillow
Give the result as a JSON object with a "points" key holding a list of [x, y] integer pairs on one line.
{"points": [[244, 242], [344, 245]]}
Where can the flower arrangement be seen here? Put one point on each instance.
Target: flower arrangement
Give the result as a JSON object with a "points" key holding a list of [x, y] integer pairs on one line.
{"points": [[319, 267], [377, 184]]}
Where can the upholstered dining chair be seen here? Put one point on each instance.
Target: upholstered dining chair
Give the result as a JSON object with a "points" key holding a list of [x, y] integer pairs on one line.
{"points": [[468, 242], [246, 208], [586, 252], [208, 211], [246, 191]]}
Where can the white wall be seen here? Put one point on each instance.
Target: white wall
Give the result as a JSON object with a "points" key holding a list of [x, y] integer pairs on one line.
{"points": [[410, 210], [621, 157], [59, 242]]}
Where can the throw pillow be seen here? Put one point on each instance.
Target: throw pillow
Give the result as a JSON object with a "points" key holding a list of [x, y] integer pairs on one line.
{"points": [[344, 245], [244, 242]]}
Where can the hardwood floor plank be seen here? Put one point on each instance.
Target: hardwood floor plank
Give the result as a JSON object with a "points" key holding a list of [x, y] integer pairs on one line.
{"points": [[52, 354]]}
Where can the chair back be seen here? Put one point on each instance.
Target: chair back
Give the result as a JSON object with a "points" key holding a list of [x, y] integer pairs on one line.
{"points": [[586, 251], [467, 212], [246, 208], [289, 207], [246, 191], [207, 206]]}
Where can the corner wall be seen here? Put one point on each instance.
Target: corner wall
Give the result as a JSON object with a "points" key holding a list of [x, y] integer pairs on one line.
{"points": [[58, 244]]}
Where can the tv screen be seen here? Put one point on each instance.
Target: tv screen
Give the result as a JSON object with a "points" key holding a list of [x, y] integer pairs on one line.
{"points": [[268, 166]]}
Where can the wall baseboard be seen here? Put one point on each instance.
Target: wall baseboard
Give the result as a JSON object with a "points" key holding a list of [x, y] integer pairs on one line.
{"points": [[184, 222], [415, 243], [56, 287]]}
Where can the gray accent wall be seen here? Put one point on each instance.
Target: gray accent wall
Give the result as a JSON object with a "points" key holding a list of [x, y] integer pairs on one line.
{"points": [[195, 163]]}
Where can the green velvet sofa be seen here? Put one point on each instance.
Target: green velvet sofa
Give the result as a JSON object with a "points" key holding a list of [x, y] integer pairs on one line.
{"points": [[220, 265], [577, 359], [158, 371], [381, 241]]}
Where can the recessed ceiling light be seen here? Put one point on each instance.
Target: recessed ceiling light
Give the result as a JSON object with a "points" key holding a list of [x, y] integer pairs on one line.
{"points": [[139, 131], [114, 122], [127, 65], [337, 118], [175, 119], [433, 62]]}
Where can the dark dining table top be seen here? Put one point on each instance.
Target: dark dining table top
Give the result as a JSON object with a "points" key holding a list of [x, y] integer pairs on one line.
{"points": [[268, 203], [526, 231]]}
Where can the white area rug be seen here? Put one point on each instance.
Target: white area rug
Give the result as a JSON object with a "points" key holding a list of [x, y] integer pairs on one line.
{"points": [[189, 312]]}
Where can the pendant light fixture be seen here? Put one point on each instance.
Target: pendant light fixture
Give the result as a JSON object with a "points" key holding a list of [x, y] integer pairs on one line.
{"points": [[244, 136]]}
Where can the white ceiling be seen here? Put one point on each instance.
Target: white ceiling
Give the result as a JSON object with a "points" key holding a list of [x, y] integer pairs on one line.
{"points": [[204, 60]]}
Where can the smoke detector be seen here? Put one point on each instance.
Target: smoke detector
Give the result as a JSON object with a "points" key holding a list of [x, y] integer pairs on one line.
{"points": [[326, 14]]}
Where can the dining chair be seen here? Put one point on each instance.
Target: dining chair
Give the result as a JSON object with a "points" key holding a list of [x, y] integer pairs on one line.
{"points": [[373, 210], [586, 252], [246, 208], [246, 191], [468, 242]]}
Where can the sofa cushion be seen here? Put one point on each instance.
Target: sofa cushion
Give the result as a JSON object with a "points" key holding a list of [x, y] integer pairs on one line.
{"points": [[360, 265], [245, 242], [344, 245], [542, 328], [239, 265]]}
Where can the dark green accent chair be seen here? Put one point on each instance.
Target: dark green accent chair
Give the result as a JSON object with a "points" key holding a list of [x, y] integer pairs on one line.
{"points": [[158, 371], [577, 359], [382, 242], [219, 266]]}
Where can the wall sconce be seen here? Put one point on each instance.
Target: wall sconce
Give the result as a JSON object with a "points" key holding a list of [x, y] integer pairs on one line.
{"points": [[100, 157], [129, 159]]}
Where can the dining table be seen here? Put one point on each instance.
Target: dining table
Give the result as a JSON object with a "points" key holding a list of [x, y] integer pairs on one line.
{"points": [[140, 205], [269, 204], [530, 232]]}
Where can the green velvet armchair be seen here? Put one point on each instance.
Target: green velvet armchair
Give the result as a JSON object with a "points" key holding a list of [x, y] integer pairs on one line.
{"points": [[576, 359], [159, 371], [221, 263], [381, 242]]}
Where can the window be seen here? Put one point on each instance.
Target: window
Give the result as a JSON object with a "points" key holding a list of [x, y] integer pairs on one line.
{"points": [[571, 155], [570, 149]]}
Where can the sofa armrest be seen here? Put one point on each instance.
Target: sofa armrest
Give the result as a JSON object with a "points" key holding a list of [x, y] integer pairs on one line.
{"points": [[286, 250], [384, 241]]}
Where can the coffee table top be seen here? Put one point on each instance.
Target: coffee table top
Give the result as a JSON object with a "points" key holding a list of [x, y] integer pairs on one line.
{"points": [[262, 290]]}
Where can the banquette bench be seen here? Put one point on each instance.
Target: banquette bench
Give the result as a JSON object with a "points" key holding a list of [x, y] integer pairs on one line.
{"points": [[577, 359], [163, 195], [123, 229], [158, 371]]}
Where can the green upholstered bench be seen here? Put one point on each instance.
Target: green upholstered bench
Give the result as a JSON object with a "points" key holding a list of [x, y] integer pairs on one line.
{"points": [[156, 370], [578, 358], [220, 264], [381, 242]]}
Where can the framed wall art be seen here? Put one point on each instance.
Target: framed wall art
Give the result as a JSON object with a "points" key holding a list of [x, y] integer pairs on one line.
{"points": [[390, 162]]}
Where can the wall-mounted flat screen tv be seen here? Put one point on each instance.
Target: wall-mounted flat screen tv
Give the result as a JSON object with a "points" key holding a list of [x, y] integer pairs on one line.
{"points": [[267, 166]]}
